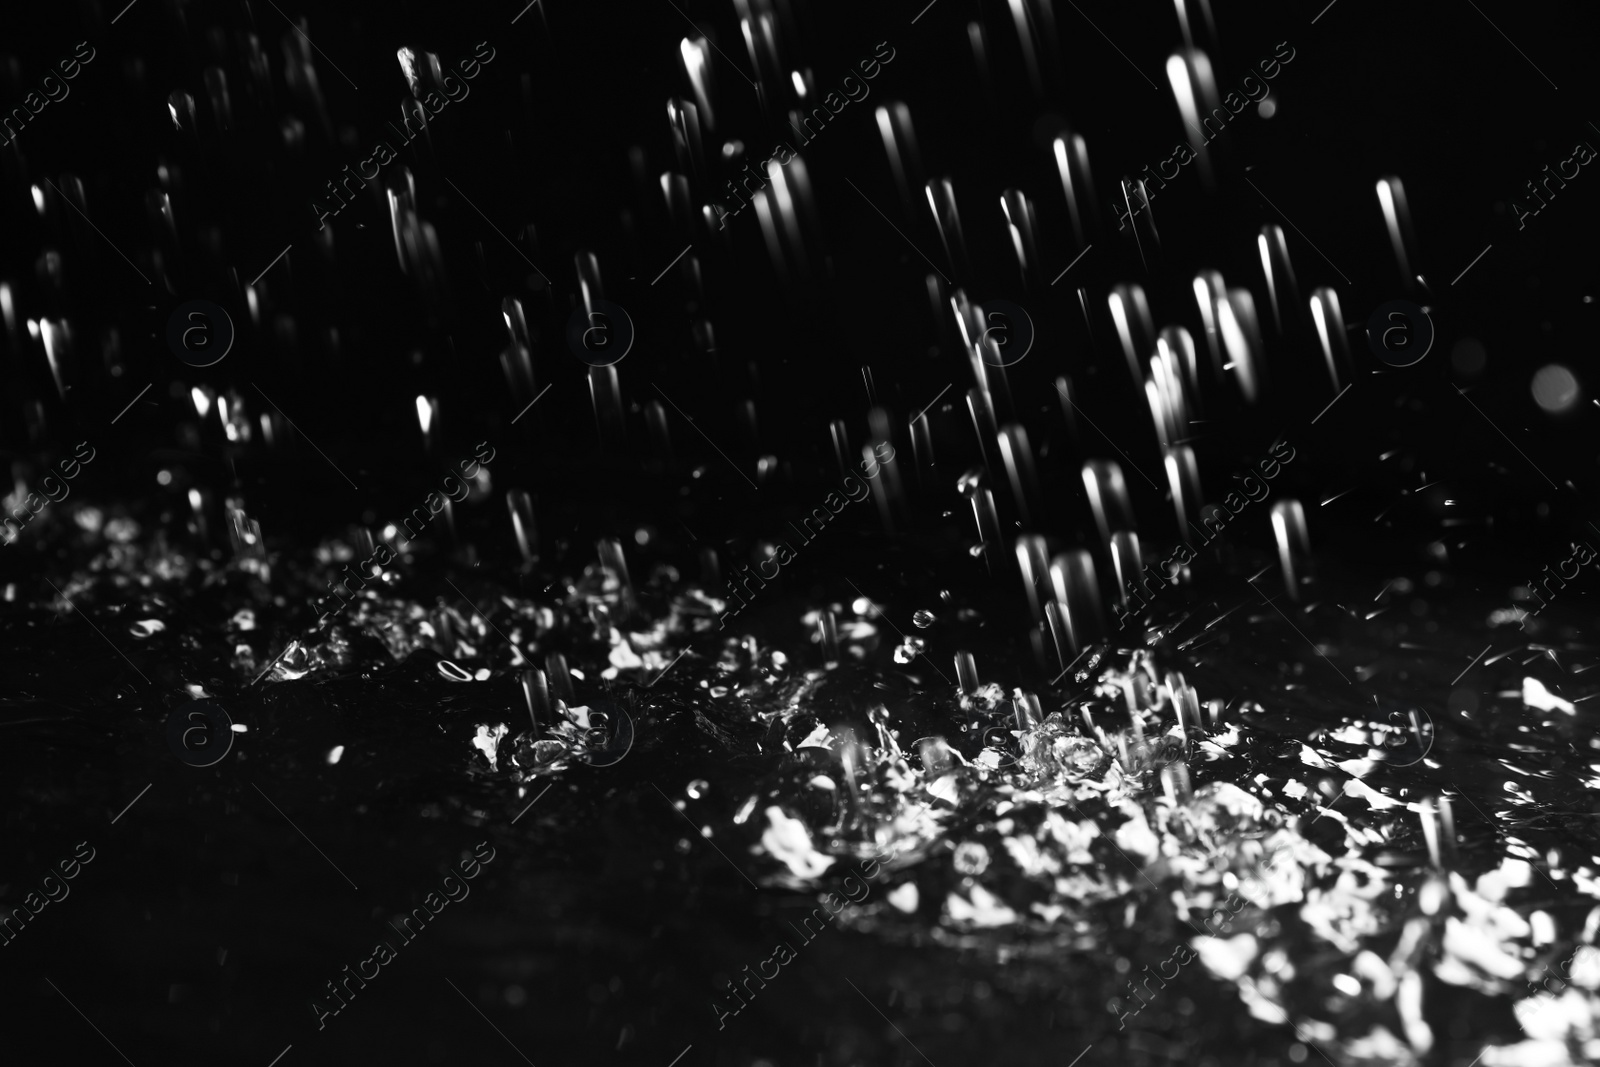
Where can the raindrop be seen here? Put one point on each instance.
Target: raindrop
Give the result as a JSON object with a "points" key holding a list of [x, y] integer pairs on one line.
{"points": [[451, 672], [1072, 164], [558, 677], [1294, 542], [1108, 497], [535, 697], [900, 145], [1183, 476], [1555, 389], [966, 672], [1126, 561], [1282, 290], [1397, 218], [828, 636], [520, 505], [1241, 338], [1208, 292], [1018, 457], [909, 649], [1077, 595], [1330, 326], [1130, 313]]}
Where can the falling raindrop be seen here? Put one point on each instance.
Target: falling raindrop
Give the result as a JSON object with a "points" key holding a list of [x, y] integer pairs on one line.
{"points": [[1555, 388], [1294, 543]]}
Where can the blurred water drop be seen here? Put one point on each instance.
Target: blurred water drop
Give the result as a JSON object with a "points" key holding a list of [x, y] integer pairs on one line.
{"points": [[535, 697], [1054, 751], [1055, 618], [200, 505], [1077, 592], [1430, 830], [1397, 218], [1447, 831], [828, 637], [936, 756], [427, 419], [947, 220], [900, 146], [1283, 292], [922, 450], [1130, 313], [909, 649], [616, 566], [696, 57], [1195, 90], [1331, 335], [966, 672], [1294, 542], [1555, 388], [1192, 39], [558, 678], [1241, 338], [453, 672], [839, 434], [1023, 227], [1175, 782], [1176, 348], [1135, 206], [981, 410], [1126, 560], [245, 535], [710, 568], [687, 140], [520, 504], [1018, 457], [1209, 290], [1183, 478], [1033, 562], [1165, 395], [1108, 497], [988, 520], [605, 393], [1072, 164], [1027, 710]]}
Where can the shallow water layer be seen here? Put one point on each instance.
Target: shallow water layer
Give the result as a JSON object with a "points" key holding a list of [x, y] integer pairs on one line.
{"points": [[1274, 831]]}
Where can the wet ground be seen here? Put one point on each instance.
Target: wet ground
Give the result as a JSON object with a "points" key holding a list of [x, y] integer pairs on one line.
{"points": [[1035, 887]]}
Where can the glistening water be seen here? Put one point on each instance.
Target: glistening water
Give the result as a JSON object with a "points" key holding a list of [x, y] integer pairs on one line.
{"points": [[1234, 843]]}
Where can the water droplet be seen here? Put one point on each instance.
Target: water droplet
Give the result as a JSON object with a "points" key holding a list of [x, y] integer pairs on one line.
{"points": [[909, 649], [971, 858], [922, 619], [1554, 388]]}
